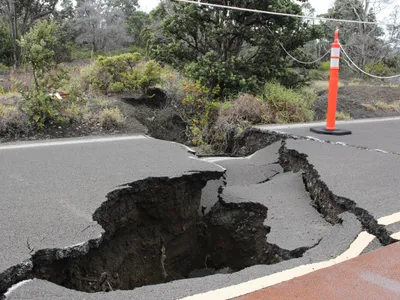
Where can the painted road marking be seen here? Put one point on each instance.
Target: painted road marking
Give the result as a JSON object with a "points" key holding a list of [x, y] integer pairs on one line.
{"points": [[71, 142], [356, 248], [396, 236], [389, 219], [303, 125], [386, 283]]}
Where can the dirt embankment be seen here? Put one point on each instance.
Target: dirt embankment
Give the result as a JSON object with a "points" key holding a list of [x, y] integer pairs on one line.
{"points": [[362, 102], [153, 116]]}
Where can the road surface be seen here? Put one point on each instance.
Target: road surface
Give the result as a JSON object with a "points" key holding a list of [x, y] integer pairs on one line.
{"points": [[50, 191]]}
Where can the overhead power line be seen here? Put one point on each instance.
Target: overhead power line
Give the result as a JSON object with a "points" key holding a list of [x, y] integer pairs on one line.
{"points": [[284, 14], [304, 62], [366, 73]]}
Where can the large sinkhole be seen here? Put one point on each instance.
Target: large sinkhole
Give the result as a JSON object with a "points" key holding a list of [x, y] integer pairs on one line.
{"points": [[154, 233]]}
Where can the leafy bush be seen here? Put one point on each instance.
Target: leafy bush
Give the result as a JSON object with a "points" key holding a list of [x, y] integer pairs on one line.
{"points": [[196, 104], [286, 105], [318, 75], [379, 69], [123, 73], [211, 72], [41, 108], [116, 87], [293, 78], [2, 91], [172, 84], [111, 118], [198, 110], [12, 121], [77, 113]]}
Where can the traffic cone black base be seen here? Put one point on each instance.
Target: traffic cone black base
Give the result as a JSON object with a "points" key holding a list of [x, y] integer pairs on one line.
{"points": [[323, 130]]}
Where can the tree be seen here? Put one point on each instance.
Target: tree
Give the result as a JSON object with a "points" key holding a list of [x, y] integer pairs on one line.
{"points": [[127, 6], [38, 46], [20, 16], [5, 44], [394, 31], [99, 26], [363, 42], [138, 23], [233, 49]]}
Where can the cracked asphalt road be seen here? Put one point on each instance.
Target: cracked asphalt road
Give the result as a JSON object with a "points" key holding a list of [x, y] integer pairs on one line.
{"points": [[51, 191], [379, 133]]}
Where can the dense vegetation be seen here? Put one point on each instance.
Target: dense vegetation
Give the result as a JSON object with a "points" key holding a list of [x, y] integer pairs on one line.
{"points": [[220, 70]]}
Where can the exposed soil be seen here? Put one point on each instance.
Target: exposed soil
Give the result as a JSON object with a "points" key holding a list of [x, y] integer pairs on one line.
{"points": [[352, 98]]}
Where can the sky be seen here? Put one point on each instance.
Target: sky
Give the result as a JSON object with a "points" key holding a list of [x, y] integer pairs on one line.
{"points": [[321, 6]]}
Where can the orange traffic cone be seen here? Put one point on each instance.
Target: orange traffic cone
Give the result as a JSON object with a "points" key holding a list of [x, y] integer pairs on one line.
{"points": [[333, 91]]}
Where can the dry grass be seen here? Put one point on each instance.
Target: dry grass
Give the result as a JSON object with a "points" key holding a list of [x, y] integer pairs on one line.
{"points": [[111, 118], [341, 116], [369, 107], [394, 106], [245, 108], [12, 121], [323, 85], [283, 106]]}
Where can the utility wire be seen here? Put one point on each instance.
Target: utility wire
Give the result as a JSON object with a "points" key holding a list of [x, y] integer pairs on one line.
{"points": [[304, 62], [362, 71], [283, 14]]}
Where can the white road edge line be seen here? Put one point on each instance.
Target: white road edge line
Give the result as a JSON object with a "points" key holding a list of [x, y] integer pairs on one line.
{"points": [[396, 236], [71, 142], [388, 220], [302, 125], [356, 248]]}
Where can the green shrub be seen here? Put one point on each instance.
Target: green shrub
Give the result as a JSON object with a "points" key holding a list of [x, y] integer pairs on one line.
{"points": [[318, 75], [41, 108], [76, 113], [198, 110], [116, 87], [2, 91], [225, 105], [292, 78], [325, 66], [172, 84], [150, 76], [232, 75], [379, 69], [123, 73], [111, 118], [286, 105]]}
